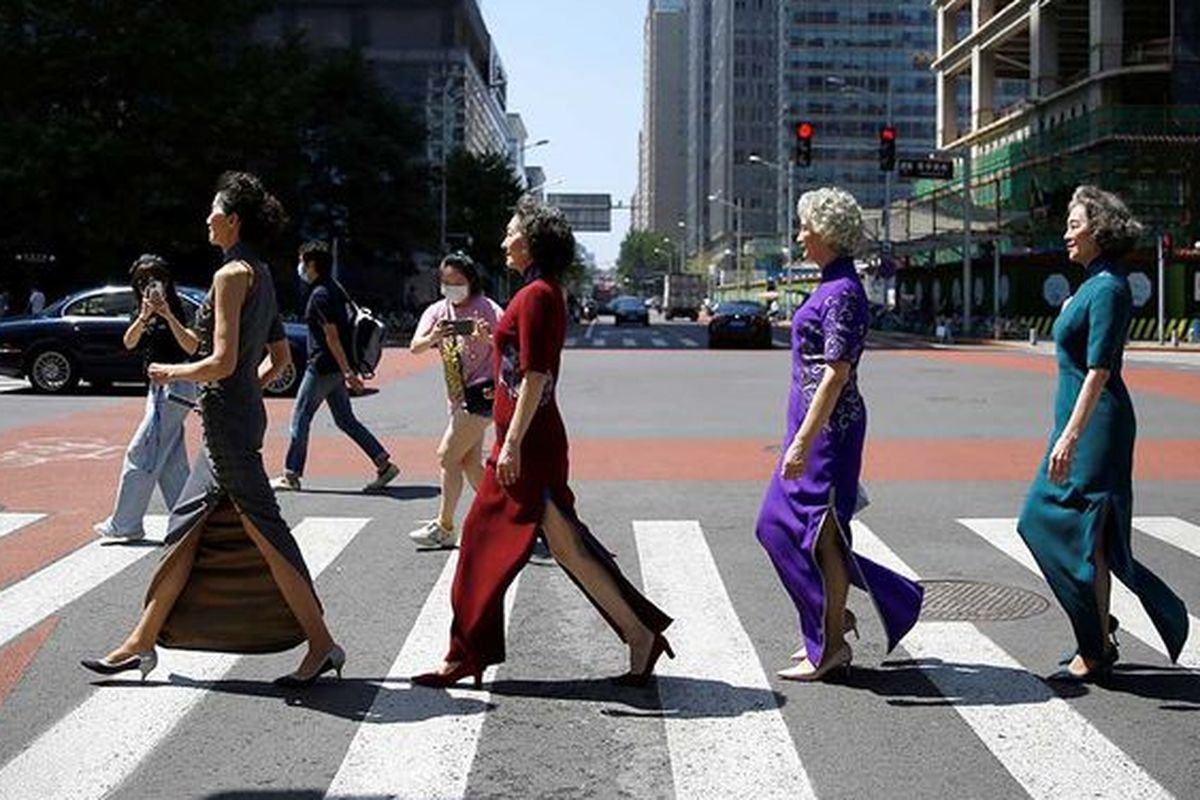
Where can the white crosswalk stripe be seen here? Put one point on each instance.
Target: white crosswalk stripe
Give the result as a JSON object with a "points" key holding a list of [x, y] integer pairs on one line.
{"points": [[1002, 534], [1172, 530], [32, 599], [658, 341], [724, 731], [12, 522], [1047, 746], [91, 750], [716, 752], [439, 744], [688, 341]]}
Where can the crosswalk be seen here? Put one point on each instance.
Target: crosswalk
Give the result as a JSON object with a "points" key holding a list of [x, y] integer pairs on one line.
{"points": [[723, 725]]}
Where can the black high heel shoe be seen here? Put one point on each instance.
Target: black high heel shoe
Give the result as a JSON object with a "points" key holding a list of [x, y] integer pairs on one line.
{"points": [[334, 660], [142, 662], [442, 680], [1097, 674], [1113, 625], [640, 679]]}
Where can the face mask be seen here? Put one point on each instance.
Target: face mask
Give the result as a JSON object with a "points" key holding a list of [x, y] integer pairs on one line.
{"points": [[303, 273], [455, 294]]}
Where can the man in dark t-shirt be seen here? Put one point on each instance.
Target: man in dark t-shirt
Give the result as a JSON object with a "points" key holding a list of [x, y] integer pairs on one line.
{"points": [[329, 374]]}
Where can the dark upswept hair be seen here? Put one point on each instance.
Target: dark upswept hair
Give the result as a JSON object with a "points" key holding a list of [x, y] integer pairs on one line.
{"points": [[260, 212], [150, 267], [551, 241], [319, 255], [1110, 222], [464, 265]]}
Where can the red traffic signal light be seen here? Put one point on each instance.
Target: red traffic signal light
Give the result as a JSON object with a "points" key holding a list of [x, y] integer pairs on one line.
{"points": [[804, 134], [887, 148]]}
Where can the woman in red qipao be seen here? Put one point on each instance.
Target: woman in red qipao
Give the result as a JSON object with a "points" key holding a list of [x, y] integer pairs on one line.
{"points": [[524, 486]]}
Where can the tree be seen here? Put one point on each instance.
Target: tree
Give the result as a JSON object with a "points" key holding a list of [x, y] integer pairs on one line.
{"points": [[120, 115], [644, 256], [481, 192]]}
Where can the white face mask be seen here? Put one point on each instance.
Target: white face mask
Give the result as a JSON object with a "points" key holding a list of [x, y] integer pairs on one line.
{"points": [[302, 272], [455, 294]]}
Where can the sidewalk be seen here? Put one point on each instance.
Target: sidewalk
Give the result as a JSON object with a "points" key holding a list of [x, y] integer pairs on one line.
{"points": [[1187, 355]]}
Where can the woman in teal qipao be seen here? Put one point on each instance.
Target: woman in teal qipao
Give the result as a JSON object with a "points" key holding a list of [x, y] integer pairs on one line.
{"points": [[1078, 515]]}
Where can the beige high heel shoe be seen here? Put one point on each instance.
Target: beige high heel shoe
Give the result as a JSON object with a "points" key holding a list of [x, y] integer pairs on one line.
{"points": [[805, 673], [850, 624]]}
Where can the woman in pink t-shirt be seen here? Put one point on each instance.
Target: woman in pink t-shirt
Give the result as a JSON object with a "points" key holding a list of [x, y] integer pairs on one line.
{"points": [[460, 325]]}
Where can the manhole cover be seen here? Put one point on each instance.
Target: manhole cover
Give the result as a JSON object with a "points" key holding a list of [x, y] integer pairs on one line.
{"points": [[971, 601]]}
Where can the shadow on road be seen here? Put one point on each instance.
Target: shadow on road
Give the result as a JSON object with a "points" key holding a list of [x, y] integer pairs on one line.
{"points": [[698, 698], [394, 492]]}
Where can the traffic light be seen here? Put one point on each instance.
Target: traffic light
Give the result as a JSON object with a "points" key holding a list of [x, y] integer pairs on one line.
{"points": [[804, 134], [887, 148]]}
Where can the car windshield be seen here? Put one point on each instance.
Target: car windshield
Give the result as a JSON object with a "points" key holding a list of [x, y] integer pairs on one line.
{"points": [[740, 307]]}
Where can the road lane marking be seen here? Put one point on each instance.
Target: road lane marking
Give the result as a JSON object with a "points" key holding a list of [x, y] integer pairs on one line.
{"points": [[30, 600], [600, 342], [571, 341], [591, 328], [1172, 530], [688, 341], [628, 341], [658, 341], [90, 751], [11, 522], [731, 747], [1045, 744], [1002, 535], [429, 755]]}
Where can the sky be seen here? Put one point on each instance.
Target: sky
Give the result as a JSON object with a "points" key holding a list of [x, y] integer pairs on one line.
{"points": [[575, 77]]}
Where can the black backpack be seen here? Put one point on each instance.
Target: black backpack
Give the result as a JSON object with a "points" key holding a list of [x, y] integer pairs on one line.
{"points": [[366, 337]]}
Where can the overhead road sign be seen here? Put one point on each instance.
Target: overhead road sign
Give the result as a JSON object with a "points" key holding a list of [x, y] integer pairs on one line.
{"points": [[926, 168], [587, 213]]}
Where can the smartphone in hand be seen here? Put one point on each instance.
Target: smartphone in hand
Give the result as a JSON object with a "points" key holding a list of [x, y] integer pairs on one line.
{"points": [[461, 327]]}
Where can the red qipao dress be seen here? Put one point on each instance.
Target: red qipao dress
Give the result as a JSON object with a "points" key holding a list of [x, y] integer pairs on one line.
{"points": [[500, 529]]}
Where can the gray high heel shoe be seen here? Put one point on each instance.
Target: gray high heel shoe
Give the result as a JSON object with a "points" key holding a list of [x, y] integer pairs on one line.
{"points": [[142, 662], [334, 660]]}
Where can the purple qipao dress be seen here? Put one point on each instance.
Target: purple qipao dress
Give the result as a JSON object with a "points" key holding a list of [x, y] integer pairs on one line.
{"points": [[830, 326]]}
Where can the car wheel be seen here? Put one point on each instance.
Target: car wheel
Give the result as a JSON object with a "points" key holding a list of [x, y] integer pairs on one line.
{"points": [[286, 383], [52, 372]]}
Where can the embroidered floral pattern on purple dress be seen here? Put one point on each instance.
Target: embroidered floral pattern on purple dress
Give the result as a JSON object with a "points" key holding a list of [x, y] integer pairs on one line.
{"points": [[830, 327]]}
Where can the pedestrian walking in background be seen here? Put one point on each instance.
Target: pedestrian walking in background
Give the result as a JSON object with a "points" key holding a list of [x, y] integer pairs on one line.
{"points": [[157, 453], [37, 300], [234, 579], [804, 523], [524, 485], [329, 376], [1077, 519], [460, 325]]}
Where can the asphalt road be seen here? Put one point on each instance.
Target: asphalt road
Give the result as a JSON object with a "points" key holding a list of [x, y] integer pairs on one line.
{"points": [[671, 448]]}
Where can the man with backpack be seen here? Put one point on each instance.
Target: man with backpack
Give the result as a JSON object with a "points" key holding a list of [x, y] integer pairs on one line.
{"points": [[330, 374]]}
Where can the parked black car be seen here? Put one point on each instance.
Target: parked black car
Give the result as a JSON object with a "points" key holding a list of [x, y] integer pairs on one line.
{"points": [[740, 322], [79, 338], [629, 309]]}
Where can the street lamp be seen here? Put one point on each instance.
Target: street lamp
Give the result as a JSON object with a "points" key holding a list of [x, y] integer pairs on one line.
{"points": [[736, 205], [845, 86], [532, 145], [786, 172]]}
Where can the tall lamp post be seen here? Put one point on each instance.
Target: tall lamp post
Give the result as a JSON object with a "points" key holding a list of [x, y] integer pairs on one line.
{"points": [[736, 205], [786, 226], [845, 86]]}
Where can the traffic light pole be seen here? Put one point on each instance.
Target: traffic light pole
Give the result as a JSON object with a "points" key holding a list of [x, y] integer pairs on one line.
{"points": [[887, 187]]}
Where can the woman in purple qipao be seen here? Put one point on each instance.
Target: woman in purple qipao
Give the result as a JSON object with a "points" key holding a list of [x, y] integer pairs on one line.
{"points": [[804, 523]]}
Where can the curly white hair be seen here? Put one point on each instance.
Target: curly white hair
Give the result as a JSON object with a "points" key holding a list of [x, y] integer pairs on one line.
{"points": [[834, 215]]}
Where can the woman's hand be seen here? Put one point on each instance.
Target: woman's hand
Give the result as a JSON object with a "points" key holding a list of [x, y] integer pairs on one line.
{"points": [[439, 331], [148, 310], [793, 461], [508, 464], [482, 329], [1060, 459], [160, 373]]}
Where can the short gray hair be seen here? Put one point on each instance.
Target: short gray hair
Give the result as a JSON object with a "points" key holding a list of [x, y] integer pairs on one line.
{"points": [[834, 215], [1110, 222]]}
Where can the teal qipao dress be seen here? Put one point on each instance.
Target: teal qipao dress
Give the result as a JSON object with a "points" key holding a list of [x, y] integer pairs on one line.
{"points": [[1062, 524]]}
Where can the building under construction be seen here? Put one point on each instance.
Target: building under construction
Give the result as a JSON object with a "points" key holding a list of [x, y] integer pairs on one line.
{"points": [[1112, 98]]}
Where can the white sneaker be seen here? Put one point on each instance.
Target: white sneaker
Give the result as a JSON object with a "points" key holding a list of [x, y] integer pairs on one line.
{"points": [[104, 531], [383, 478], [432, 534], [286, 483]]}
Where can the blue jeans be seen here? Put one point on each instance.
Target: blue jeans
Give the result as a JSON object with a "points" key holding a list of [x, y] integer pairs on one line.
{"points": [[315, 389], [157, 455]]}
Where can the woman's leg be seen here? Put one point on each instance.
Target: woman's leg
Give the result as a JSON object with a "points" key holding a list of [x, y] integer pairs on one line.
{"points": [[831, 557], [569, 551], [172, 468], [136, 485], [299, 596], [169, 585], [463, 436], [1102, 585]]}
